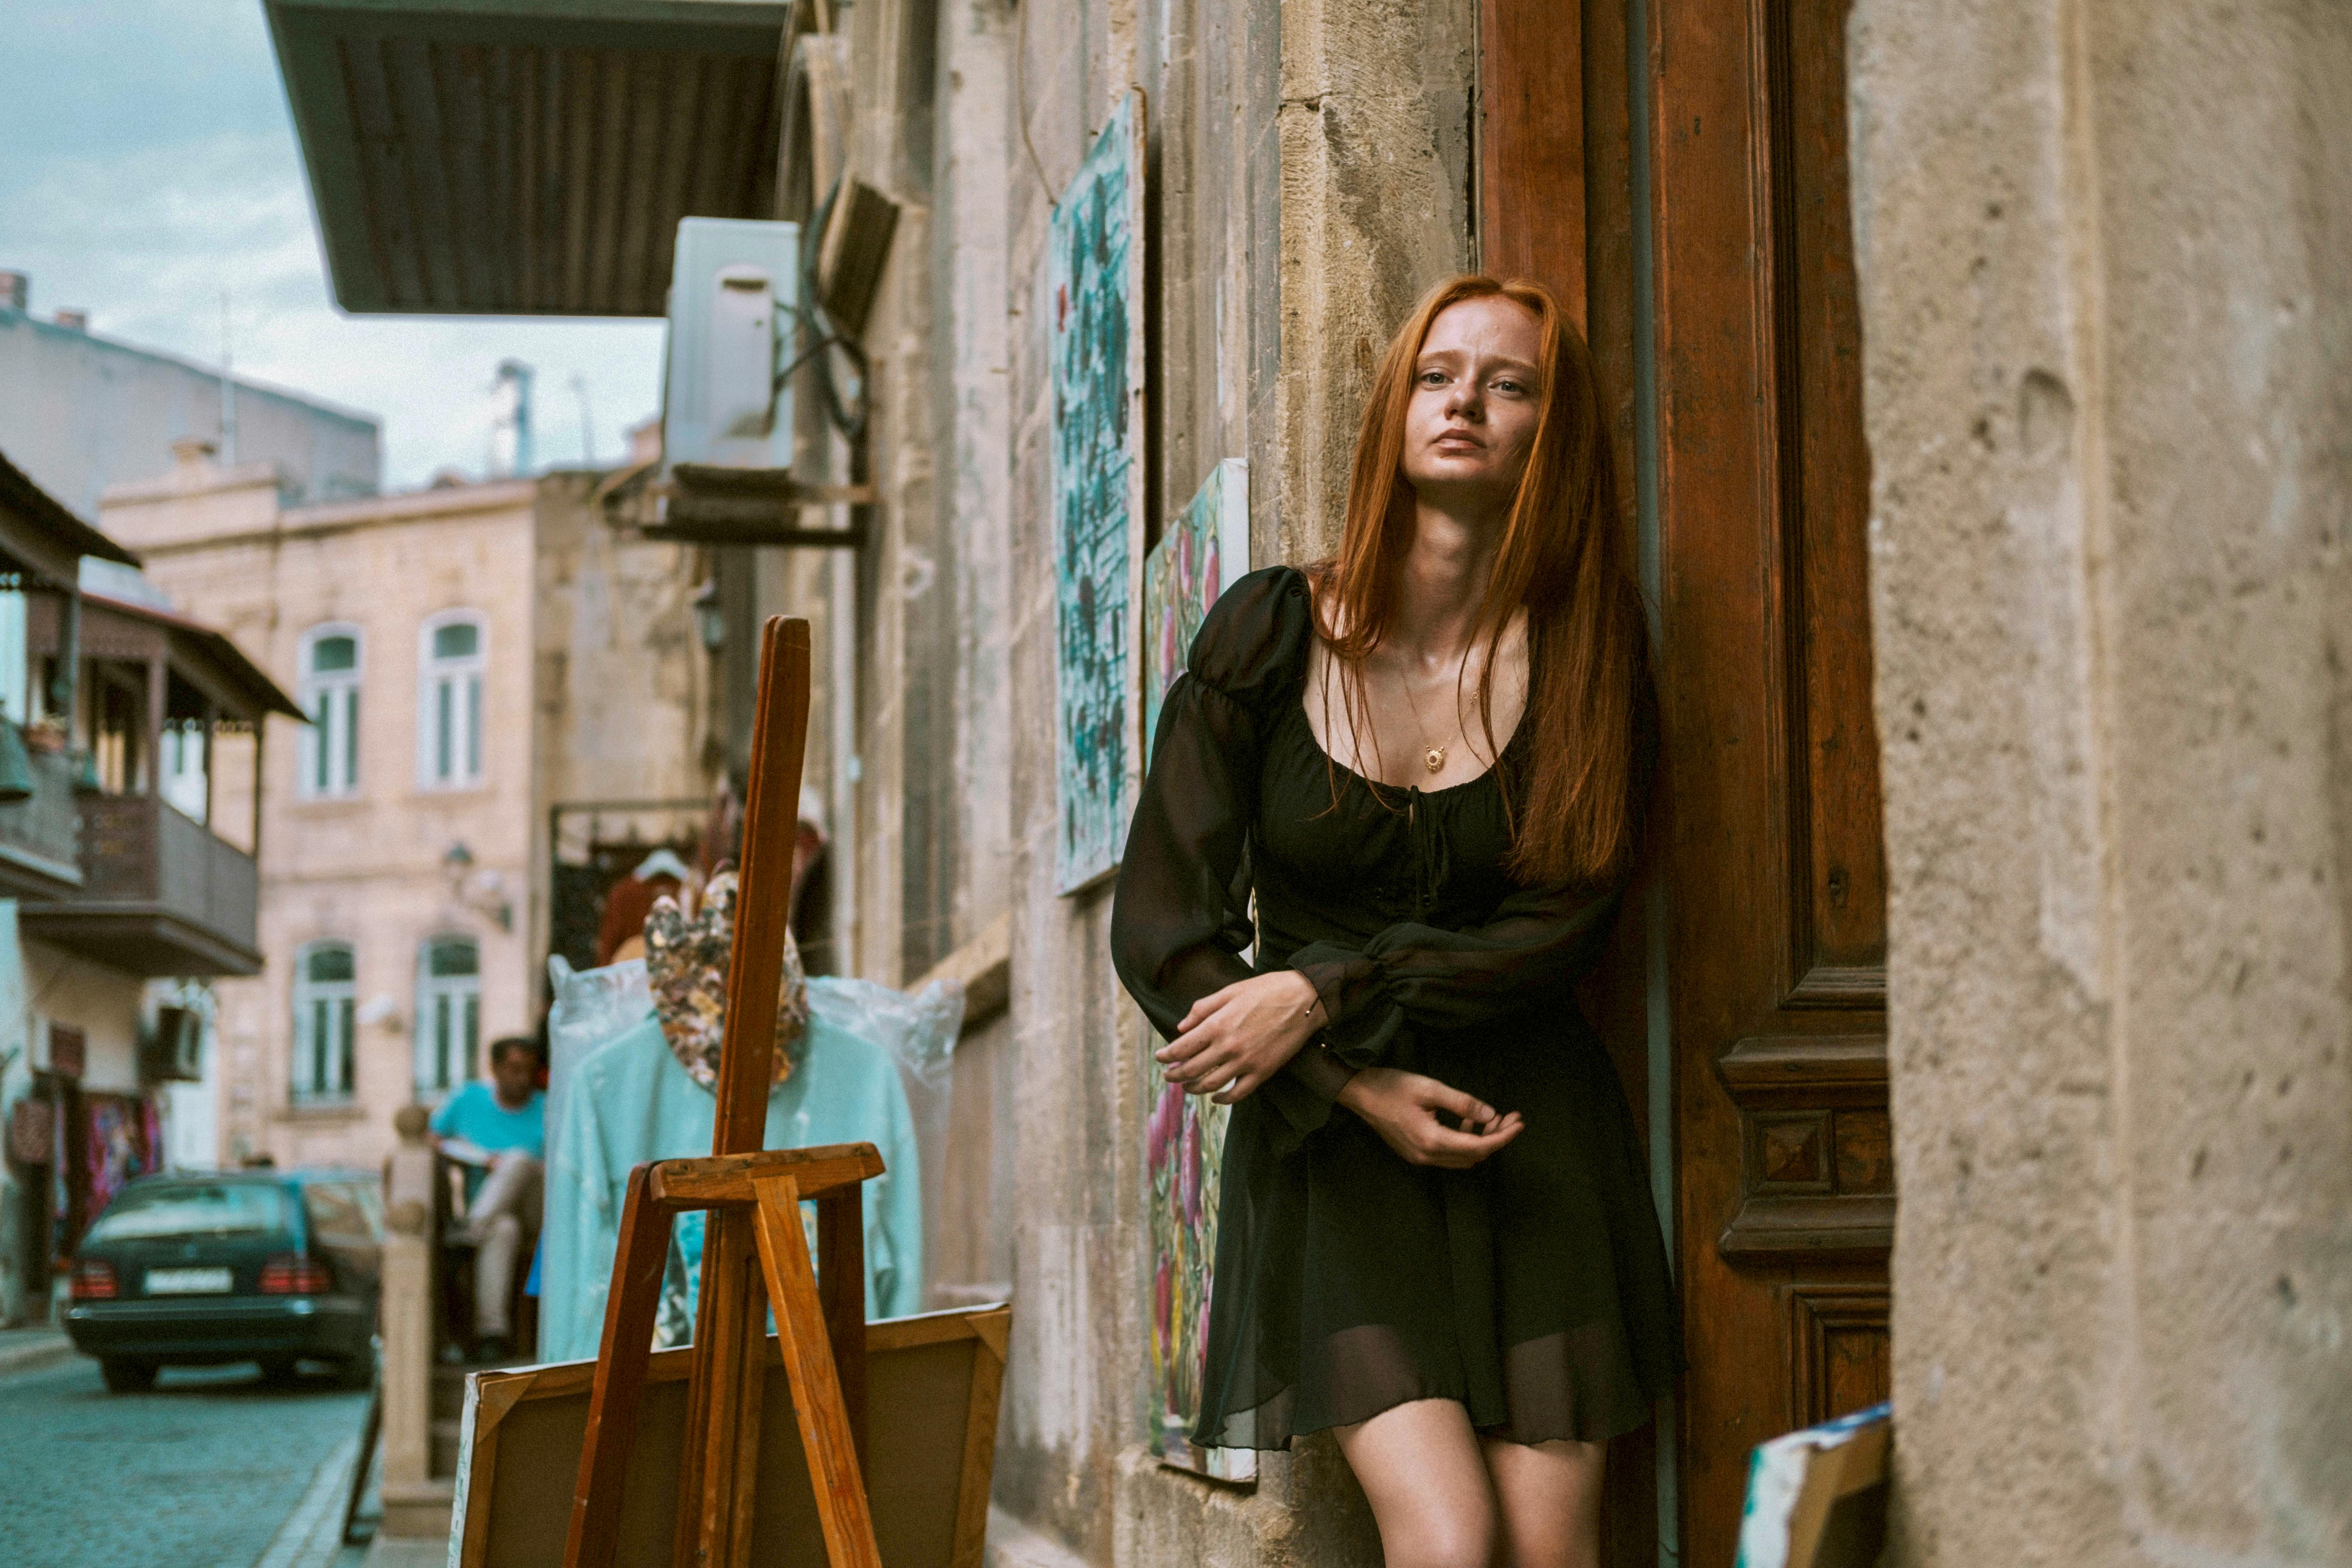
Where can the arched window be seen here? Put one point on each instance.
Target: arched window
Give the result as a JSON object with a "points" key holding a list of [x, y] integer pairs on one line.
{"points": [[329, 694], [449, 701], [326, 993], [448, 1014]]}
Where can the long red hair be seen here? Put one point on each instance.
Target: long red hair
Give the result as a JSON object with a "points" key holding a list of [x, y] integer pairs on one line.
{"points": [[1575, 816]]}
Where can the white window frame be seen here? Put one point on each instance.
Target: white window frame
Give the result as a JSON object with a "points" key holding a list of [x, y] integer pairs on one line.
{"points": [[329, 756], [331, 1005], [449, 702], [448, 1032]]}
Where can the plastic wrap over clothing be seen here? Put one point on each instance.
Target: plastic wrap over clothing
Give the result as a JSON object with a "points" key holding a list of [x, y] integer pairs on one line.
{"points": [[631, 1102]]}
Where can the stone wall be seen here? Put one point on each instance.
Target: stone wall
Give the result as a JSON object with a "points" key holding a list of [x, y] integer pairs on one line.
{"points": [[2107, 263], [1308, 175], [620, 685]]}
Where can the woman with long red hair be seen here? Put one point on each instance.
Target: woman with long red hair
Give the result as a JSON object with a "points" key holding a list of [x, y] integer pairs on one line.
{"points": [[1427, 759]]}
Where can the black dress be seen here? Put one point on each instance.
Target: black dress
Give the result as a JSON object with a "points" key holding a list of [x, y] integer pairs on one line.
{"points": [[1533, 1288]]}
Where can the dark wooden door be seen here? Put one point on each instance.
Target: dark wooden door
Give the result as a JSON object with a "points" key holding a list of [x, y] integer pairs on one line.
{"points": [[1766, 982], [1553, 174], [1776, 951]]}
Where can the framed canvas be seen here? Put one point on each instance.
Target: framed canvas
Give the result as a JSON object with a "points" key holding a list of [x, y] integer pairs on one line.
{"points": [[1094, 322], [1202, 554], [932, 1384]]}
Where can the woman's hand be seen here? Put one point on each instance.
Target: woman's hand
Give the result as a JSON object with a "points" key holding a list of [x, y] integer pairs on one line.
{"points": [[1403, 1107], [1235, 1038]]}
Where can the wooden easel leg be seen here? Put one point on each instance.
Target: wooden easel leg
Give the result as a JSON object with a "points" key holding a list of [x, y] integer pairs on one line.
{"points": [[629, 1310], [833, 1470], [715, 1492], [841, 1279]]}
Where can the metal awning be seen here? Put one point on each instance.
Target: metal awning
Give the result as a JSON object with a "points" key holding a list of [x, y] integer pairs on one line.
{"points": [[526, 157], [39, 536]]}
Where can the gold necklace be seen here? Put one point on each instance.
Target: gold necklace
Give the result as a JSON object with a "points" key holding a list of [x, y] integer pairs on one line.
{"points": [[1431, 757]]}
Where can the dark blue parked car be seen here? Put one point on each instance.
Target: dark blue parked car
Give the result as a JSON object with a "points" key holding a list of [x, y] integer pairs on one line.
{"points": [[273, 1267]]}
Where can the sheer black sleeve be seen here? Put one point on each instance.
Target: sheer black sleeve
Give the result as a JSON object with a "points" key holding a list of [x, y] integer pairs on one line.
{"points": [[1527, 959], [1180, 918]]}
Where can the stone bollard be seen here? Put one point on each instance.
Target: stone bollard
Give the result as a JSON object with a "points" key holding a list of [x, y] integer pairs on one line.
{"points": [[415, 1503]]}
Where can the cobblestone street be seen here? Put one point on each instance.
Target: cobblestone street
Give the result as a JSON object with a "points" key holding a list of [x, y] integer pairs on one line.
{"points": [[208, 1470]]}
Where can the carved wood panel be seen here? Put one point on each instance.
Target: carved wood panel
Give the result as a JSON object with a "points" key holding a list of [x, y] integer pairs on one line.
{"points": [[1820, 492], [1777, 948], [1817, 1171], [1838, 1345]]}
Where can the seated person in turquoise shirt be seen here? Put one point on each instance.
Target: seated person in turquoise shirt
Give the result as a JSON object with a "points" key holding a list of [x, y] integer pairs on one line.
{"points": [[497, 1130]]}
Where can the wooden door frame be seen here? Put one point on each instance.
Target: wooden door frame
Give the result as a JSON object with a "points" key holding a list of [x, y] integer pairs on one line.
{"points": [[1642, 166], [1767, 1042]]}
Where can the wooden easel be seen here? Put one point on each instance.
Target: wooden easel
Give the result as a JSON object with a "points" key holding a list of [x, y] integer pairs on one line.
{"points": [[753, 1250]]}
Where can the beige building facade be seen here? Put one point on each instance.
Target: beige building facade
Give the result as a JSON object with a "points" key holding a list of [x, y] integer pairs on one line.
{"points": [[471, 655]]}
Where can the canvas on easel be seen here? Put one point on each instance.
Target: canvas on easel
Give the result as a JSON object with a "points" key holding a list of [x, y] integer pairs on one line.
{"points": [[934, 1382]]}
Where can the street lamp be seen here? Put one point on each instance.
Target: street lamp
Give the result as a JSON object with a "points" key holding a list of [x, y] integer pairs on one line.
{"points": [[484, 893], [710, 620]]}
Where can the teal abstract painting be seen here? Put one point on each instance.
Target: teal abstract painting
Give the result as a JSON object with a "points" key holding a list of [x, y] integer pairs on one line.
{"points": [[1094, 276]]}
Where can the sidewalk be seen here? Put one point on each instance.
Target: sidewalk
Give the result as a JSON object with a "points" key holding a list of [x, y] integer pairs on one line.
{"points": [[397, 1551], [27, 1349], [312, 1535]]}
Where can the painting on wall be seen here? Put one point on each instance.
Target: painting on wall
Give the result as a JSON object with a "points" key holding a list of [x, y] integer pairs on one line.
{"points": [[1204, 552], [1202, 555], [1094, 276]]}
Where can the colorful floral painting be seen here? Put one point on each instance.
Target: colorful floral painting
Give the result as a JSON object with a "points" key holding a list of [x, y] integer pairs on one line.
{"points": [[1204, 552], [1200, 556], [1094, 273]]}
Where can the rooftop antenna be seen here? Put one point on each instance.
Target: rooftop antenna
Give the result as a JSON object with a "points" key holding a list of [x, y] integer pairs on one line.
{"points": [[228, 391], [515, 374]]}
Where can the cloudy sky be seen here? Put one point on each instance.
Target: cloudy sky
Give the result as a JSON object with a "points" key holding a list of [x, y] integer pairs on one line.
{"points": [[150, 164]]}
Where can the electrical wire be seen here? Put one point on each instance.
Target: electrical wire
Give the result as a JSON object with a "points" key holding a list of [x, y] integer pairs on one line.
{"points": [[848, 417]]}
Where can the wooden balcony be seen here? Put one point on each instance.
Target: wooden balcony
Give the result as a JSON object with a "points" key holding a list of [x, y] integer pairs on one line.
{"points": [[40, 838], [159, 895]]}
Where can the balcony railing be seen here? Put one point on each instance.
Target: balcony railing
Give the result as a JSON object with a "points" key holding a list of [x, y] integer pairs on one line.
{"points": [[159, 895], [40, 838]]}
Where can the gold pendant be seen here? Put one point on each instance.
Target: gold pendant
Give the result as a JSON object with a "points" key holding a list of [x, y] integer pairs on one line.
{"points": [[1433, 759]]}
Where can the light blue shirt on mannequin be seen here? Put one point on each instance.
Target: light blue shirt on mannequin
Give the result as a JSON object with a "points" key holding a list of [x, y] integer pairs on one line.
{"points": [[631, 1102]]}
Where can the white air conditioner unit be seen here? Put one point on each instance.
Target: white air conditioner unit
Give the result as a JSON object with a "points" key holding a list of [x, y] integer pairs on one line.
{"points": [[732, 295]]}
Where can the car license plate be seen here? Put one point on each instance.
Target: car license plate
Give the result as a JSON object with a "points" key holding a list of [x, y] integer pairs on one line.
{"points": [[188, 1281]]}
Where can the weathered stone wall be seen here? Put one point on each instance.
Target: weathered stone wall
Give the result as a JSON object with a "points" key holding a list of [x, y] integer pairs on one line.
{"points": [[2106, 258], [620, 682], [1309, 171]]}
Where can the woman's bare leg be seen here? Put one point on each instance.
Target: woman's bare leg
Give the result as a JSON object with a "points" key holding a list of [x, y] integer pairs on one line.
{"points": [[1549, 1502], [1419, 1466]]}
